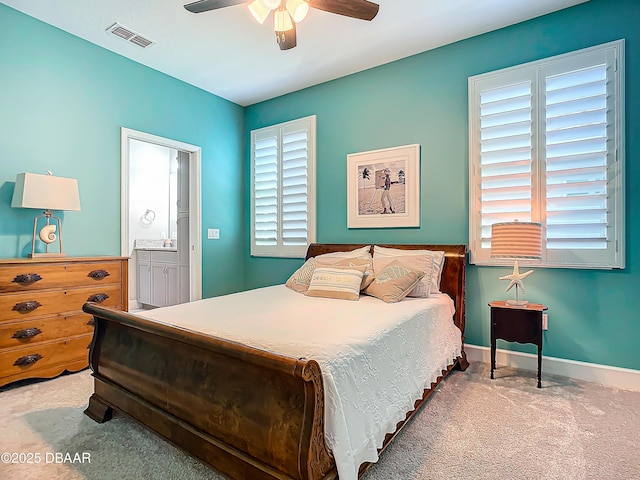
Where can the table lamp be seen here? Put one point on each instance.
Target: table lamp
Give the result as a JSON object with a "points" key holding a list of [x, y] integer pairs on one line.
{"points": [[516, 240], [49, 193]]}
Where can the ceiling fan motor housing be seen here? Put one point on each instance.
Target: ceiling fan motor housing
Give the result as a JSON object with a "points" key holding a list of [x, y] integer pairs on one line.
{"points": [[288, 12]]}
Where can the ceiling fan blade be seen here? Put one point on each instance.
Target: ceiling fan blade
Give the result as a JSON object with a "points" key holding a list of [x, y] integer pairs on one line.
{"points": [[206, 5], [361, 9], [287, 39]]}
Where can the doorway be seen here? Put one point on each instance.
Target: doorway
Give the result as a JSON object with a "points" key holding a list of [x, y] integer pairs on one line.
{"points": [[160, 218]]}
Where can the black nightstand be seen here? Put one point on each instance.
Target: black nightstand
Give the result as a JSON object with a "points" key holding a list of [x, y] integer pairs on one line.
{"points": [[517, 323]]}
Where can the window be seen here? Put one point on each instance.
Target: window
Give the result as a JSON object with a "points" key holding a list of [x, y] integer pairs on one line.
{"points": [[283, 189], [546, 144]]}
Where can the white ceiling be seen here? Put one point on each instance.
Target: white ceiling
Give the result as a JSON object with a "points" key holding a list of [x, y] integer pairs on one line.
{"points": [[226, 52]]}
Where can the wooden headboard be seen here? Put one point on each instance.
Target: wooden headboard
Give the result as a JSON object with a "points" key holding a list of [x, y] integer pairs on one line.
{"points": [[453, 273]]}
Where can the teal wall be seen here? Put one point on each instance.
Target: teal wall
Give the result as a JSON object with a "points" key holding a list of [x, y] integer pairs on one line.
{"points": [[62, 103], [423, 99]]}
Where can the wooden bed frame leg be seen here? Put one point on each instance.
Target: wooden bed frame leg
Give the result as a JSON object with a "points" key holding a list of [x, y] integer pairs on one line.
{"points": [[462, 364], [98, 410]]}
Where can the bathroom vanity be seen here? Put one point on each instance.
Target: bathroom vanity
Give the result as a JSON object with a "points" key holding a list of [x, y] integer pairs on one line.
{"points": [[158, 274]]}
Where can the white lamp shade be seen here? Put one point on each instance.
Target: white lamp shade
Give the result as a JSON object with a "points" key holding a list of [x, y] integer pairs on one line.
{"points": [[259, 10], [282, 21], [45, 192], [271, 4], [298, 9], [516, 240]]}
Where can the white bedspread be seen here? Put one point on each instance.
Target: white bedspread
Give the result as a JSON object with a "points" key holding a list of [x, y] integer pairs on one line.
{"points": [[376, 358]]}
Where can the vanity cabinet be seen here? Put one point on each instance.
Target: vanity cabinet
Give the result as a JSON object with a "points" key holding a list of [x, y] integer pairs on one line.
{"points": [[158, 278]]}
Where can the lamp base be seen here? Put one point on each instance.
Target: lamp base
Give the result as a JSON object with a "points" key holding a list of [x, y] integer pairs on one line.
{"points": [[519, 303], [47, 236]]}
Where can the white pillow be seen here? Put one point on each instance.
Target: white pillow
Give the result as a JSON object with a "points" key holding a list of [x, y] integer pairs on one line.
{"points": [[422, 260], [437, 276], [358, 252]]}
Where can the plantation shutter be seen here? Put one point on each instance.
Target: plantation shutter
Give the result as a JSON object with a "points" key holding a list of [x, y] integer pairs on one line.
{"points": [[295, 197], [265, 181], [581, 162], [506, 146], [546, 146], [283, 193]]}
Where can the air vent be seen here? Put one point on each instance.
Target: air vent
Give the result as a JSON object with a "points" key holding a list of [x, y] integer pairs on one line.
{"points": [[141, 41], [129, 35]]}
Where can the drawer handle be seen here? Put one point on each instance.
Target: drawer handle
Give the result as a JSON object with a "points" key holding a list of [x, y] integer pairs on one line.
{"points": [[27, 278], [98, 274], [97, 297], [24, 307], [27, 333], [27, 360]]}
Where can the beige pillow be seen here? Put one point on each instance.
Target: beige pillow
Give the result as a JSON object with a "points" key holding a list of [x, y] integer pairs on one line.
{"points": [[422, 260], [301, 278], [394, 282], [336, 281], [365, 261]]}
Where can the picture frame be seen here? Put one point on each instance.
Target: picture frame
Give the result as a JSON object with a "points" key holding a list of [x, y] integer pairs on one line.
{"points": [[383, 188]]}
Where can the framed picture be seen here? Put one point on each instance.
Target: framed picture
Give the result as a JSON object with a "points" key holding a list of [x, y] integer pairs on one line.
{"points": [[383, 188]]}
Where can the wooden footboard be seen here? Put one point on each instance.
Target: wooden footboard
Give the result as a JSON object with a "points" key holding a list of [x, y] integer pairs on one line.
{"points": [[249, 413]]}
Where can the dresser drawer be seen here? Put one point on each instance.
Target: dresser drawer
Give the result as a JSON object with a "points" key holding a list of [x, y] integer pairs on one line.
{"points": [[50, 359], [42, 276], [39, 330], [23, 306]]}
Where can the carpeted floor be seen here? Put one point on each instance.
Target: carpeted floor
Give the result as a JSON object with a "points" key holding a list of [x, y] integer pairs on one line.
{"points": [[472, 428]]}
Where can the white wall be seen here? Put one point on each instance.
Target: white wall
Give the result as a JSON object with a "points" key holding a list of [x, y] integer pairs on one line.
{"points": [[149, 189], [149, 169]]}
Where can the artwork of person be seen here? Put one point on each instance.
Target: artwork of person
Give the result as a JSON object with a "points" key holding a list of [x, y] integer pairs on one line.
{"points": [[385, 193]]}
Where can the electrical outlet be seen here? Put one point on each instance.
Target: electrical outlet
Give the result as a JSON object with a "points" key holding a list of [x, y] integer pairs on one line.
{"points": [[213, 234], [545, 321]]}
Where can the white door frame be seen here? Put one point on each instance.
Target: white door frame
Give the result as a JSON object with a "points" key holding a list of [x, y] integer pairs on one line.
{"points": [[195, 224]]}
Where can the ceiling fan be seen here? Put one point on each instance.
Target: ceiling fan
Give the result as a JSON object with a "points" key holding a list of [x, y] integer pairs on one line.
{"points": [[289, 12]]}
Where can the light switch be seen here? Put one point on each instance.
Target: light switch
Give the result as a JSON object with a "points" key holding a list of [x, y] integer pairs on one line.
{"points": [[213, 233]]}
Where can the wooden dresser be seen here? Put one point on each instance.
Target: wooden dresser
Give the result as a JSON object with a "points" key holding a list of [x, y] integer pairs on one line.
{"points": [[43, 331]]}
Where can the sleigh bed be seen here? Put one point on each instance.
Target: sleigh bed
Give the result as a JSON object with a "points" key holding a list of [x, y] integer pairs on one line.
{"points": [[250, 412]]}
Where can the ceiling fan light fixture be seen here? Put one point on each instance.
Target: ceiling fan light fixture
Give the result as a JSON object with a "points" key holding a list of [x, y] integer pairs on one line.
{"points": [[259, 10], [298, 9], [282, 21], [271, 4]]}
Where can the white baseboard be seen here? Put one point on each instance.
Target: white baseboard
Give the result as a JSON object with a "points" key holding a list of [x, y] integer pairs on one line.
{"points": [[625, 378]]}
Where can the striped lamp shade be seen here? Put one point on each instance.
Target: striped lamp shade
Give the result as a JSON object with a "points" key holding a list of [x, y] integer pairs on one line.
{"points": [[516, 240]]}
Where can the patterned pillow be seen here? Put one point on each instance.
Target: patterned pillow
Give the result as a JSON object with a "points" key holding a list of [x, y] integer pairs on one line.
{"points": [[336, 281], [301, 278], [394, 282], [422, 260], [364, 260]]}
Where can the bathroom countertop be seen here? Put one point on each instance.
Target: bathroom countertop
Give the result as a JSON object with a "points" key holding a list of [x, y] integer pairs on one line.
{"points": [[154, 244]]}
